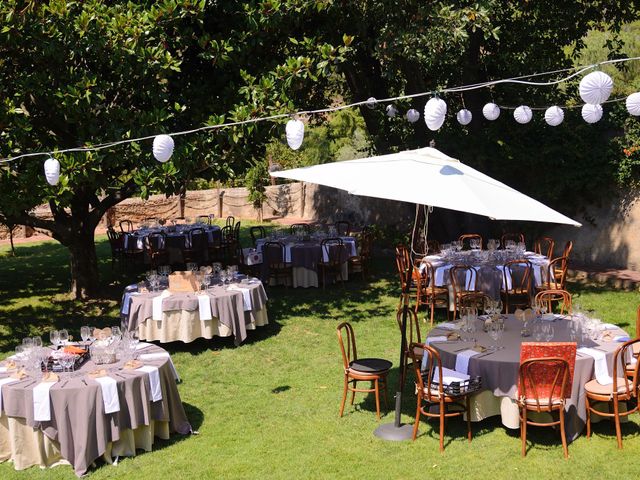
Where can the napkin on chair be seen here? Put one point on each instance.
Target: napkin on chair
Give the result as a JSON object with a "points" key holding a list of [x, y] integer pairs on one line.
{"points": [[204, 307], [110, 399], [42, 402], [599, 364], [449, 376], [5, 381], [157, 305], [154, 381]]}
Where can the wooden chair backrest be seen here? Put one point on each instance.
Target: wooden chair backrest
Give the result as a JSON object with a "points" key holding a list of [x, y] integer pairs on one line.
{"points": [[516, 237], [555, 295], [343, 228], [349, 353], [424, 378], [273, 253], [546, 370], [463, 279], [256, 233], [521, 275], [467, 237], [126, 226], [544, 246], [413, 325]]}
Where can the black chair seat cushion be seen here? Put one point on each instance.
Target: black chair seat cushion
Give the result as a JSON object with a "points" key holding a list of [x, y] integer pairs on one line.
{"points": [[370, 365]]}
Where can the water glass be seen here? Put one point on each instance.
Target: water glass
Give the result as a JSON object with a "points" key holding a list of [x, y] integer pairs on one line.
{"points": [[37, 341], [85, 333], [54, 337], [27, 343], [63, 336]]}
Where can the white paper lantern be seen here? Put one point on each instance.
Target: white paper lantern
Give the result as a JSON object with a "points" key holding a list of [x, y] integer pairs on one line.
{"points": [[163, 148], [391, 111], [371, 102], [52, 171], [523, 114], [595, 88], [413, 115], [633, 104], [491, 111], [464, 116], [295, 133], [434, 113], [554, 116], [591, 113]]}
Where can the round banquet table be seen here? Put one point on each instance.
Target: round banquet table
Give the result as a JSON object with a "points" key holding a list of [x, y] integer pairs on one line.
{"points": [[79, 431], [489, 273], [304, 256], [499, 371], [175, 240], [219, 311]]}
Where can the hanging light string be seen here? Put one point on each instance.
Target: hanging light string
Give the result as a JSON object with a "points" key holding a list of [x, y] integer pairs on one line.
{"points": [[517, 80]]}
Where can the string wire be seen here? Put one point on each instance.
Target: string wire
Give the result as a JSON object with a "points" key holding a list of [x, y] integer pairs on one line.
{"points": [[464, 88]]}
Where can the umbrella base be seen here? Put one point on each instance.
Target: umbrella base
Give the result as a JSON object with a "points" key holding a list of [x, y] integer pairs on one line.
{"points": [[390, 431]]}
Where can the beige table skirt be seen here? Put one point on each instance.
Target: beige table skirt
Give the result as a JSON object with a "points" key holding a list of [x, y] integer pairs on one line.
{"points": [[28, 447], [186, 326], [305, 277]]}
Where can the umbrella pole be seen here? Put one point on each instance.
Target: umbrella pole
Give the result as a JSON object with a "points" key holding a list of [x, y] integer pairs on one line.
{"points": [[396, 431]]}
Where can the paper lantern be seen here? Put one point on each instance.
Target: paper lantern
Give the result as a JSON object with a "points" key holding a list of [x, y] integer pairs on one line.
{"points": [[371, 102], [491, 111], [591, 113], [163, 148], [391, 111], [295, 133], [434, 113], [595, 88], [523, 114], [554, 116], [633, 104], [413, 115], [464, 116], [52, 171]]}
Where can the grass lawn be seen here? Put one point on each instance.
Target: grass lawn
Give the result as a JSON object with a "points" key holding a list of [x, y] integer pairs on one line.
{"points": [[269, 409]]}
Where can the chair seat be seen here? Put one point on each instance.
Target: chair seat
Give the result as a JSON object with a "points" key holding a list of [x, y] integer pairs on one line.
{"points": [[598, 389], [636, 348], [370, 366], [543, 402]]}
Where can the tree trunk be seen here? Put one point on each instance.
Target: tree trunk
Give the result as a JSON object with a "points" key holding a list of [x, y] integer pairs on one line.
{"points": [[84, 264], [13, 248]]}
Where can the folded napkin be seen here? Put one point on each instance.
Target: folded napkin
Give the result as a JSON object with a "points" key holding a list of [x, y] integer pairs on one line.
{"points": [[19, 375], [449, 376], [154, 381], [537, 273], [42, 402], [453, 336], [462, 360], [204, 307], [437, 338], [548, 317], [132, 365], [157, 305], [5, 381], [109, 388], [440, 273], [246, 296], [447, 326], [599, 364], [50, 377], [101, 372], [3, 369], [287, 253], [161, 356], [126, 302], [9, 365], [142, 345], [506, 277]]}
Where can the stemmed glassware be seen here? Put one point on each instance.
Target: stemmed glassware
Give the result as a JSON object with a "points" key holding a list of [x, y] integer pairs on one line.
{"points": [[54, 337], [85, 333], [63, 337], [496, 329]]}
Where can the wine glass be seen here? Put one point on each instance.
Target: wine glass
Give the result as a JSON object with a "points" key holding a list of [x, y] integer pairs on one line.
{"points": [[27, 343], [85, 333], [495, 332], [54, 337], [37, 341], [192, 266], [116, 333], [64, 336]]}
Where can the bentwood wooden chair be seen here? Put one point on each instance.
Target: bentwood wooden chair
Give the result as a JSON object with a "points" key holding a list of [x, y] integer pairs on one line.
{"points": [[299, 229], [126, 226], [156, 246], [516, 237], [360, 262], [478, 300], [544, 246], [428, 294], [281, 271], [204, 219], [466, 239], [194, 246], [230, 221], [412, 336], [623, 389], [463, 279], [256, 233], [430, 387], [334, 258], [407, 272], [554, 276], [373, 370], [516, 284], [544, 383], [116, 242], [553, 296], [343, 228]]}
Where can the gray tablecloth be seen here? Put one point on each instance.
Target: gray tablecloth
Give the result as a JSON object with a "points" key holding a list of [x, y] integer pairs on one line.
{"points": [[226, 305], [78, 422], [499, 370]]}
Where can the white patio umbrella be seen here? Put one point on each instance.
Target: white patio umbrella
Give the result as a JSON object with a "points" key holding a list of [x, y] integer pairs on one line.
{"points": [[427, 176]]}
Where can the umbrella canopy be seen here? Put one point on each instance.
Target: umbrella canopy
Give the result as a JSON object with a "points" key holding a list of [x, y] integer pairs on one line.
{"points": [[427, 176]]}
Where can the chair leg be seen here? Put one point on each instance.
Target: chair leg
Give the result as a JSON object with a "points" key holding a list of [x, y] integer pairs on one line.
{"points": [[353, 392], [616, 419], [588, 417], [468, 406], [344, 395], [432, 312], [377, 387], [523, 430], [442, 412], [563, 435], [417, 422]]}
